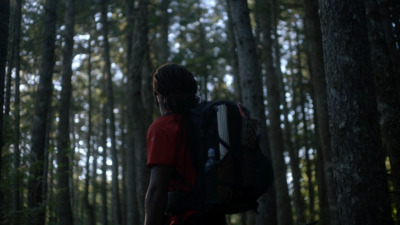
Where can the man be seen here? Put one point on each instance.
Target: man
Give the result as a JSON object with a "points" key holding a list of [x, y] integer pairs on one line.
{"points": [[169, 142]]}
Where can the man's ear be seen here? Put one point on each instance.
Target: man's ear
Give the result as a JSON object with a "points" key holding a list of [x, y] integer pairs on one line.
{"points": [[159, 99], [157, 104]]}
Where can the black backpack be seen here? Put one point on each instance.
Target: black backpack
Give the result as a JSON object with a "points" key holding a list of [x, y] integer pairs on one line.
{"points": [[235, 181]]}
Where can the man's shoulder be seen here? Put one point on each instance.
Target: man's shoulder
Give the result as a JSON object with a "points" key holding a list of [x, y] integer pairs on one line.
{"points": [[168, 121]]}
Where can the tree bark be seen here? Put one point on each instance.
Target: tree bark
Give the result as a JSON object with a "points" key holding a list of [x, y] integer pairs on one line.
{"points": [[91, 220], [42, 106], [64, 146], [306, 131], [132, 204], [276, 139], [4, 25], [94, 185], [139, 118], [52, 211], [298, 199], [11, 57], [147, 89], [234, 58], [204, 78], [164, 27], [388, 96], [104, 209], [265, 23], [357, 156], [313, 34], [252, 94], [17, 133], [116, 205], [124, 201], [275, 105], [389, 13]]}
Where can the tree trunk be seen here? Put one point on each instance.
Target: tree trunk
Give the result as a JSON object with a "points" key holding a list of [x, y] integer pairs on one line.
{"points": [[298, 199], [46, 164], [63, 141], [42, 106], [52, 209], [265, 23], [124, 201], [89, 207], [116, 205], [357, 155], [285, 215], [17, 152], [252, 90], [94, 185], [132, 204], [74, 186], [313, 34], [389, 12], [306, 144], [139, 119], [147, 89], [306, 131], [276, 145], [15, 24], [233, 59], [388, 96], [91, 220], [204, 75], [4, 24], [104, 209], [164, 26]]}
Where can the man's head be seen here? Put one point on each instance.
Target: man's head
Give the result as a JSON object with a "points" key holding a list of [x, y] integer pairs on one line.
{"points": [[175, 88]]}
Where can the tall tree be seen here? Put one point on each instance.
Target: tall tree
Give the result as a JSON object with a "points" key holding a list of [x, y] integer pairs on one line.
{"points": [[204, 78], [42, 106], [89, 207], [17, 153], [313, 35], [265, 24], [51, 213], [132, 216], [391, 24], [357, 155], [47, 162], [233, 59], [139, 118], [273, 97], [4, 24], [163, 40], [387, 79], [116, 205], [306, 131], [64, 146], [124, 201], [298, 200], [104, 209], [275, 138], [11, 60], [252, 90]]}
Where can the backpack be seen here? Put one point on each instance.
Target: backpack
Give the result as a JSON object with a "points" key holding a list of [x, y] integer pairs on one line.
{"points": [[237, 174]]}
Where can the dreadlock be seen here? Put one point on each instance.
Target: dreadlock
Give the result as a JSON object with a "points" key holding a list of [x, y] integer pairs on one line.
{"points": [[177, 85]]}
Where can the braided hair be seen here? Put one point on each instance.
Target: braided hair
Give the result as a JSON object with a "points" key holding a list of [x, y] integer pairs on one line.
{"points": [[177, 87]]}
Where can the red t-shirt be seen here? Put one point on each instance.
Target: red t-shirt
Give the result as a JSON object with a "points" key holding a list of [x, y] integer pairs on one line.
{"points": [[166, 145]]}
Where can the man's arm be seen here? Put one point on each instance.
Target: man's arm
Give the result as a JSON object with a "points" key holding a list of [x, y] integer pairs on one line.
{"points": [[157, 194]]}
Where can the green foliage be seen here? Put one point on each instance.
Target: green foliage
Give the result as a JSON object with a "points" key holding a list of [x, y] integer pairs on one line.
{"points": [[13, 217]]}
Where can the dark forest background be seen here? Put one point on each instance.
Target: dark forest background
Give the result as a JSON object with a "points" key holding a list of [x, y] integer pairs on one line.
{"points": [[322, 78]]}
